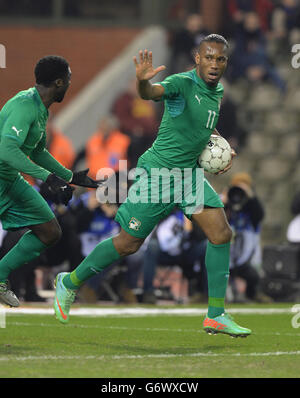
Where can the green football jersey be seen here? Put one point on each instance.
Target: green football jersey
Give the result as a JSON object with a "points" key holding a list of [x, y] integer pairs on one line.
{"points": [[23, 137], [190, 116]]}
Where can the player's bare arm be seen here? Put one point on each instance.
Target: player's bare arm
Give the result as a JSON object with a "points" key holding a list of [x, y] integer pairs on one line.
{"points": [[144, 73]]}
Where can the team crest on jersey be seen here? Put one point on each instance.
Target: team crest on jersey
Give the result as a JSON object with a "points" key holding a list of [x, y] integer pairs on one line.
{"points": [[134, 224]]}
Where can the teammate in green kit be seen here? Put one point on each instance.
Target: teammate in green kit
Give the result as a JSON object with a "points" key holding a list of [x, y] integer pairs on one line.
{"points": [[23, 150], [192, 102]]}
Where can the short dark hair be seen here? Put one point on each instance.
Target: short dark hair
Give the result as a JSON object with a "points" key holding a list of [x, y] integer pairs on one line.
{"points": [[50, 68], [214, 38]]}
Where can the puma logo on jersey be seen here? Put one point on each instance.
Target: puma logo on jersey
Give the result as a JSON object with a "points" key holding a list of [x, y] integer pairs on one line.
{"points": [[16, 130], [198, 99]]}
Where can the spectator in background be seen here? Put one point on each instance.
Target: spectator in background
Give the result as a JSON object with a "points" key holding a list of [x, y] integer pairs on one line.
{"points": [[239, 8], [138, 119], [285, 23], [59, 145], [185, 41], [249, 58], [245, 214], [106, 146]]}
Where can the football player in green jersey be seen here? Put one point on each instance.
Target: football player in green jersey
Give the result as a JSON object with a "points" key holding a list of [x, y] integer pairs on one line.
{"points": [[192, 103], [23, 150]]}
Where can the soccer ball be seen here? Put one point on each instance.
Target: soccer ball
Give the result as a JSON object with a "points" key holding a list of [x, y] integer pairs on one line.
{"points": [[216, 155]]}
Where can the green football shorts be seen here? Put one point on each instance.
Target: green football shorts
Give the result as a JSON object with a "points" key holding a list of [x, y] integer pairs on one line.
{"points": [[21, 205], [139, 216]]}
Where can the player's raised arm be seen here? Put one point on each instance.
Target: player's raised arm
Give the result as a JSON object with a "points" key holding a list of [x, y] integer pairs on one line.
{"points": [[145, 72]]}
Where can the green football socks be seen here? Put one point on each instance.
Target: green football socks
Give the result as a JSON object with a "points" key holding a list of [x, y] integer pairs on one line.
{"points": [[217, 266], [101, 257], [27, 249]]}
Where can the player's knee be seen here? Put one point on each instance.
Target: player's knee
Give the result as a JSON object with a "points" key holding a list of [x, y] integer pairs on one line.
{"points": [[126, 244], [53, 235], [128, 247], [224, 236]]}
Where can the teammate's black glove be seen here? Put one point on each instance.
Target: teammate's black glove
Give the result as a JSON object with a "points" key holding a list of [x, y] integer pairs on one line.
{"points": [[83, 180], [62, 192]]}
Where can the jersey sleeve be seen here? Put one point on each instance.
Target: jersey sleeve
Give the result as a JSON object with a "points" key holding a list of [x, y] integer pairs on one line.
{"points": [[173, 86]]}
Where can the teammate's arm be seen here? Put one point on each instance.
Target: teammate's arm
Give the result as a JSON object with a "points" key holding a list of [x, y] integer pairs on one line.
{"points": [[144, 73], [11, 154], [43, 158]]}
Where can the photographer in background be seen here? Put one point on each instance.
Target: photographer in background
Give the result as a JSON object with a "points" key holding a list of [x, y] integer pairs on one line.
{"points": [[245, 214]]}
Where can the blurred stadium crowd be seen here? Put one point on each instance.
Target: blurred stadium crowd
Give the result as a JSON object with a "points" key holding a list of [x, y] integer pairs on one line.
{"points": [[261, 34]]}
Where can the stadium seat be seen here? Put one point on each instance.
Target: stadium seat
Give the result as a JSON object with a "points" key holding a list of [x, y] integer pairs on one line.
{"points": [[289, 146], [279, 122], [274, 168], [259, 144], [292, 101], [264, 97]]}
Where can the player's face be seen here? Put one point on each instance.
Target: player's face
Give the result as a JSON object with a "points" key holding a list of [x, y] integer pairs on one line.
{"points": [[211, 61], [63, 87]]}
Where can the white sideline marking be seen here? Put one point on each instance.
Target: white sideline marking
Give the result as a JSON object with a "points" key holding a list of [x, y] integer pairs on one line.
{"points": [[106, 327], [72, 325], [145, 311], [101, 357]]}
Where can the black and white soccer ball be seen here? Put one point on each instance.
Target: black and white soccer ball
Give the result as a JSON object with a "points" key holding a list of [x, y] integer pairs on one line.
{"points": [[216, 155]]}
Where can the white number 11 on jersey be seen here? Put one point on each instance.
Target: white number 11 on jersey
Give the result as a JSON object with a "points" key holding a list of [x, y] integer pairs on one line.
{"points": [[211, 119]]}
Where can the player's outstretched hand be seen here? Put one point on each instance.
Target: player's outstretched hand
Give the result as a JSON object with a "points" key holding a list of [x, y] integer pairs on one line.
{"points": [[83, 180], [61, 190], [144, 68], [233, 154]]}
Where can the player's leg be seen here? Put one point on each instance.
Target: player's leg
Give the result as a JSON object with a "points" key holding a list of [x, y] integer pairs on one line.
{"points": [[137, 219], [26, 209], [30, 246], [104, 254], [48, 233], [212, 220], [134, 230], [214, 224]]}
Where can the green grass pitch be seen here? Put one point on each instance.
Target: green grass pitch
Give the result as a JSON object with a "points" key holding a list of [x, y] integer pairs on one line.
{"points": [[149, 346]]}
